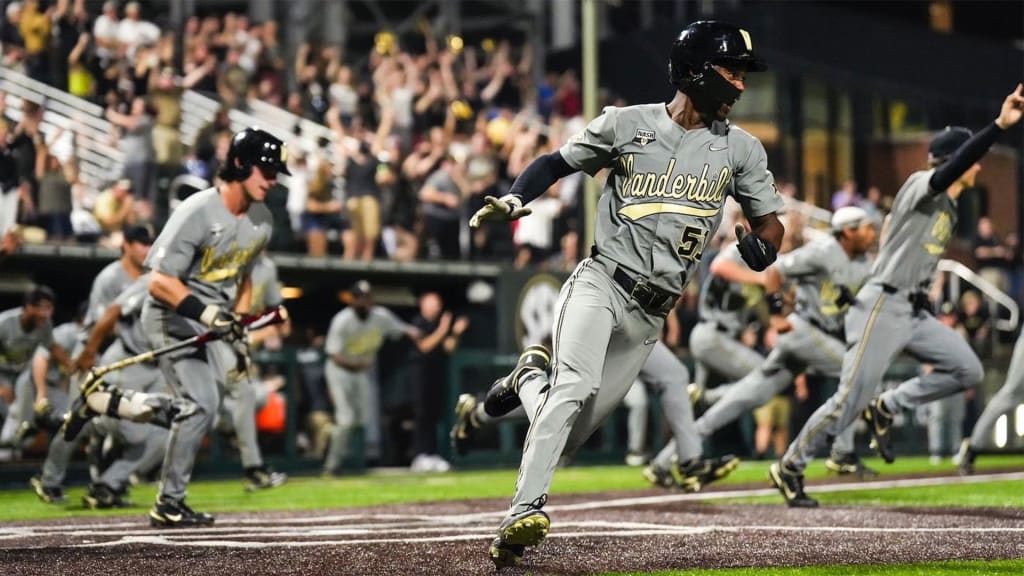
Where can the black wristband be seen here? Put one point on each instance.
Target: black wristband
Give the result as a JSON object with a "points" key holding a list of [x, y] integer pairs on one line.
{"points": [[191, 307], [775, 303]]}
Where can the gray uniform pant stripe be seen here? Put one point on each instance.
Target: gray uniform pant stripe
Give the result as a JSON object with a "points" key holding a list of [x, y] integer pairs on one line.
{"points": [[599, 350], [805, 347], [880, 326], [1006, 399]]}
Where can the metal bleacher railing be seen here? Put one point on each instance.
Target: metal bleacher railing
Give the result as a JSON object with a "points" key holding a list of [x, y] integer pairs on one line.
{"points": [[87, 135]]}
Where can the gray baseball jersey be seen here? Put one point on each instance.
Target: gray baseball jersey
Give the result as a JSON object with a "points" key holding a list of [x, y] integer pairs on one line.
{"points": [[16, 345], [818, 269], [210, 250], [110, 282], [66, 336], [266, 288], [663, 197], [357, 339], [724, 302], [920, 226], [129, 325]]}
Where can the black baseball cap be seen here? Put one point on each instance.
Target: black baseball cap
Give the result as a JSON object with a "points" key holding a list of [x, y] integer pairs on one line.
{"points": [[141, 233], [945, 143]]}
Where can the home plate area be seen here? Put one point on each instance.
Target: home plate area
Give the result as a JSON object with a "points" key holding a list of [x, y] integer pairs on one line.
{"points": [[593, 533]]}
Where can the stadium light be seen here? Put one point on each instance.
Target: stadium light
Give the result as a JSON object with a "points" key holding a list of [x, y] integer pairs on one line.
{"points": [[1001, 432], [1018, 418]]}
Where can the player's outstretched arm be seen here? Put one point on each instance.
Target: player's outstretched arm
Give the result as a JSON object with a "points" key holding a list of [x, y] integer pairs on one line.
{"points": [[978, 145], [531, 183]]}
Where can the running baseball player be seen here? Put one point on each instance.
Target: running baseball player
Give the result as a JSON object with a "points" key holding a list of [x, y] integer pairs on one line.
{"points": [[353, 339], [22, 330], [42, 390], [1006, 400], [827, 273], [892, 311], [143, 444], [729, 291], [670, 168], [665, 375], [200, 266], [108, 284]]}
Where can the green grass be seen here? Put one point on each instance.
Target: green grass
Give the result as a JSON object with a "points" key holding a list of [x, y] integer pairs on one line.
{"points": [[925, 569], [375, 489]]}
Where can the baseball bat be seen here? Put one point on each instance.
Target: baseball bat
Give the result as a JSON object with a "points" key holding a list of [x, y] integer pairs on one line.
{"points": [[267, 317]]}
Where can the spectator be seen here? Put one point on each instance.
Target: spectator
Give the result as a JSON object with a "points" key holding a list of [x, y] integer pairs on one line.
{"points": [[137, 145], [872, 203], [973, 323], [70, 24], [10, 37], [233, 79], [428, 370], [343, 95], [845, 196], [323, 208], [54, 209], [991, 256], [441, 200], [9, 197], [133, 32], [105, 30], [36, 27], [165, 99], [114, 206]]}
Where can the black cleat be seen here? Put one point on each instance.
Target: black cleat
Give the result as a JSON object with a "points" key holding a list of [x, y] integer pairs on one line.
{"points": [[791, 485], [503, 397], [659, 477], [505, 555], [262, 478], [880, 422], [699, 473], [849, 465], [101, 496], [48, 494], [965, 458], [466, 425], [171, 513]]}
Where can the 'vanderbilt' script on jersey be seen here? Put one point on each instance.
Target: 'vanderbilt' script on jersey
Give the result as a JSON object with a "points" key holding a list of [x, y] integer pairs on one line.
{"points": [[663, 197]]}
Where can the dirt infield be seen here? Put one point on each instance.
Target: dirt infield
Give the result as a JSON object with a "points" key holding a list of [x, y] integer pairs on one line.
{"points": [[636, 531]]}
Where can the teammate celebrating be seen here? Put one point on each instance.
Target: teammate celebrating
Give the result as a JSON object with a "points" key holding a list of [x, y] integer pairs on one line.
{"points": [[891, 313], [827, 273], [200, 267], [671, 167]]}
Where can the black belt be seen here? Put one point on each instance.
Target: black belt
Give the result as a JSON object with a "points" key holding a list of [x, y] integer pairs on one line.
{"points": [[652, 299], [919, 298]]}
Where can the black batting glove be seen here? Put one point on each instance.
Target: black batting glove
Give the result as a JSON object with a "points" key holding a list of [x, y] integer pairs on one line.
{"points": [[846, 296], [757, 253]]}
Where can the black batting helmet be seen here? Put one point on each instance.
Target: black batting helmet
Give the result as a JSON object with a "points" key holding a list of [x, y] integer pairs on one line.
{"points": [[254, 147], [697, 48]]}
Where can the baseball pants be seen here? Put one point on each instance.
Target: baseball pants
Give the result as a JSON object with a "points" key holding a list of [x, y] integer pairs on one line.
{"points": [[239, 399], [600, 339], [879, 325], [349, 392], [635, 402], [945, 419], [720, 352], [1006, 399], [805, 347]]}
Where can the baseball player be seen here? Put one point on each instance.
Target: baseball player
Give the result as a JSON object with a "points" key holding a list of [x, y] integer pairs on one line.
{"points": [[827, 273], [46, 382], [666, 376], [200, 266], [242, 393], [669, 170], [729, 291], [143, 444], [22, 330], [108, 284], [892, 311], [1006, 400], [353, 339]]}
